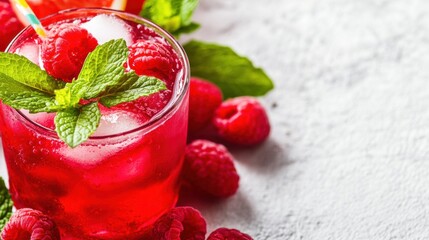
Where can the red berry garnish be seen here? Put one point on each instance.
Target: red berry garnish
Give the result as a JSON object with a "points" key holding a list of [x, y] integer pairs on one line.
{"points": [[210, 167], [242, 121], [9, 25], [64, 51], [228, 234], [181, 223], [155, 59], [204, 99], [27, 224]]}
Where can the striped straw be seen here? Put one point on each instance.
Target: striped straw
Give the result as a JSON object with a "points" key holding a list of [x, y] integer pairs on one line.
{"points": [[25, 10]]}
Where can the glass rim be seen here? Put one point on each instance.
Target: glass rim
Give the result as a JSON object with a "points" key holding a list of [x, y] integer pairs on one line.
{"points": [[156, 120]]}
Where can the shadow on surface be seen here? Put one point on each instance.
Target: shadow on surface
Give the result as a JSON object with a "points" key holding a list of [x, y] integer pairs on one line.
{"points": [[237, 204], [267, 158]]}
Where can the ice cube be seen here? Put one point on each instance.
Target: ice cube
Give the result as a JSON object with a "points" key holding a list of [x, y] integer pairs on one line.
{"points": [[115, 122], [95, 152], [106, 27], [29, 50], [88, 155]]}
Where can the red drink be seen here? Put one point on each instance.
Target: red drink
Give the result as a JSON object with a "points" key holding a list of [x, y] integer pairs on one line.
{"points": [[116, 184]]}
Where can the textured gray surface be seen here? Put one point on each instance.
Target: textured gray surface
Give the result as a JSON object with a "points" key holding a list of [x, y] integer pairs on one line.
{"points": [[349, 154], [348, 157]]}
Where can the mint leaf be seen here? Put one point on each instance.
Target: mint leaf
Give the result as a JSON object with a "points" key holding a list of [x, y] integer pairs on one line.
{"points": [[131, 87], [5, 204], [20, 96], [26, 72], [75, 125], [187, 29], [172, 15], [234, 74], [102, 68]]}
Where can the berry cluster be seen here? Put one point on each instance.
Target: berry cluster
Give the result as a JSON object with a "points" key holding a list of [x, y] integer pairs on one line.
{"points": [[240, 121], [209, 166]]}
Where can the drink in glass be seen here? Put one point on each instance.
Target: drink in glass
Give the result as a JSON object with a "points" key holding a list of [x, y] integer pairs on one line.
{"points": [[126, 175]]}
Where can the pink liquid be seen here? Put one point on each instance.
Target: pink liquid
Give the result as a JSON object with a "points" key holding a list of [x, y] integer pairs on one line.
{"points": [[115, 185]]}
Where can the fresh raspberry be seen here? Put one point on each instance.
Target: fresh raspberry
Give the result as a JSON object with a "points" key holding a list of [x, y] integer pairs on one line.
{"points": [[210, 167], [27, 223], [204, 99], [141, 32], [180, 223], [152, 58], [242, 121], [228, 234], [65, 49], [9, 24]]}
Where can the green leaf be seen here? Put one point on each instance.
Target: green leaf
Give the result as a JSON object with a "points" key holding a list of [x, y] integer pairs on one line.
{"points": [[173, 15], [5, 204], [234, 74], [26, 72], [102, 68], [131, 87], [20, 96], [187, 29], [75, 125]]}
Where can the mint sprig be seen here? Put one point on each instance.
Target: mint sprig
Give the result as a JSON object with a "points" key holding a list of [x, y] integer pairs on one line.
{"points": [[234, 74], [175, 16], [5, 205], [101, 80]]}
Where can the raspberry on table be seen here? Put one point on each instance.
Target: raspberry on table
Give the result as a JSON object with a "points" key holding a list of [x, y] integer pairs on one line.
{"points": [[180, 223], [228, 234], [27, 223], [64, 51], [204, 98], [9, 24], [155, 59], [242, 121], [210, 167]]}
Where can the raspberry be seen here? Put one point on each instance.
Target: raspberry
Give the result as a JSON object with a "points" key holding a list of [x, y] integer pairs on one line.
{"points": [[10, 25], [242, 121], [228, 234], [204, 99], [27, 223], [180, 223], [152, 58], [65, 49], [141, 32], [210, 167]]}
